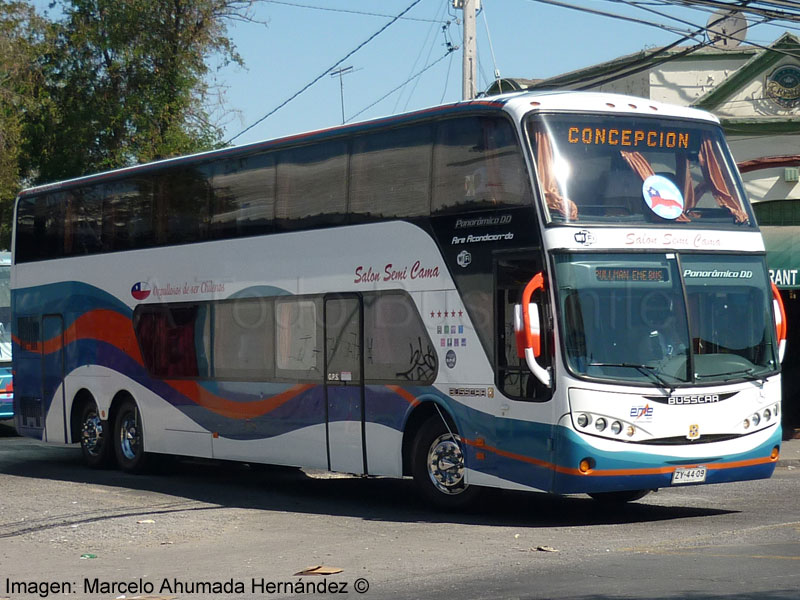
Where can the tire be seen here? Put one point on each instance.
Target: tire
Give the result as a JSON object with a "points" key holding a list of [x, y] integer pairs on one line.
{"points": [[129, 438], [95, 437], [612, 498], [438, 467]]}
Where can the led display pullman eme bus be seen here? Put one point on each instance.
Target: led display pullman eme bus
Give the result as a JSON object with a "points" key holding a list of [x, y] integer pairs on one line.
{"points": [[602, 136], [630, 274]]}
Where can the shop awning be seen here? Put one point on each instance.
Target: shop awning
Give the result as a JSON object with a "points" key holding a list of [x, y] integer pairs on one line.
{"points": [[783, 255]]}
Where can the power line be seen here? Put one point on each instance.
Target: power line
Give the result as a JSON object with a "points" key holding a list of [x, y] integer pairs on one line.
{"points": [[645, 5], [419, 73], [328, 70], [749, 7], [349, 11], [645, 61], [429, 36], [705, 29], [603, 13]]}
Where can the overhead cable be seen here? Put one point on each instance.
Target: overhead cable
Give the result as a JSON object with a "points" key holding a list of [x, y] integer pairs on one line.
{"points": [[349, 11], [324, 73], [417, 74]]}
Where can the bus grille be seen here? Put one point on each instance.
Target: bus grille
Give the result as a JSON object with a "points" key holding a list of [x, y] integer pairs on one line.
{"points": [[683, 440]]}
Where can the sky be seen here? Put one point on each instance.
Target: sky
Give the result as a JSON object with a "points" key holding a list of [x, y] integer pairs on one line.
{"points": [[291, 43]]}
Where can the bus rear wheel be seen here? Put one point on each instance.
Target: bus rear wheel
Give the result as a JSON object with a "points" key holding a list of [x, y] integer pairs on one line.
{"points": [[129, 438], [95, 437], [439, 469]]}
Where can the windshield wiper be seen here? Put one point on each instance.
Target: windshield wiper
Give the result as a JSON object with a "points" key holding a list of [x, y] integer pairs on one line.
{"points": [[748, 371], [646, 370]]}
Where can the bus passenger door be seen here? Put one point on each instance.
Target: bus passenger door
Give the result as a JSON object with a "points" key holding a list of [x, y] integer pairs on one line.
{"points": [[53, 373], [344, 384]]}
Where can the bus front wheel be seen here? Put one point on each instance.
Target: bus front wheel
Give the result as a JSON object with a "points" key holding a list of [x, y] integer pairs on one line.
{"points": [[129, 438], [439, 468], [95, 437]]}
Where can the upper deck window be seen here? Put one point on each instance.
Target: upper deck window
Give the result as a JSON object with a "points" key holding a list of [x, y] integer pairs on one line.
{"points": [[598, 169]]}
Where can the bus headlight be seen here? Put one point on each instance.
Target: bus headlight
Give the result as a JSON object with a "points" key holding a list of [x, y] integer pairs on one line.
{"points": [[767, 415], [755, 419], [616, 427], [584, 420], [600, 424]]}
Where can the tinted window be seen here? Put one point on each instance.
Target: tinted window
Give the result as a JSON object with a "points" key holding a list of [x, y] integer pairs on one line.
{"points": [[40, 227], [263, 339], [390, 174], [243, 340], [83, 221], [127, 215], [477, 161], [312, 181], [298, 339], [172, 345], [243, 196], [182, 205], [396, 344]]}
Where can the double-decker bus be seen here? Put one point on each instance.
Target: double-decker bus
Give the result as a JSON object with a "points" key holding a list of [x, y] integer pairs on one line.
{"points": [[6, 382], [563, 292]]}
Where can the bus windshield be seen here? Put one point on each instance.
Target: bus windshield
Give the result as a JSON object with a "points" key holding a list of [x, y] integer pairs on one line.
{"points": [[666, 319], [597, 169]]}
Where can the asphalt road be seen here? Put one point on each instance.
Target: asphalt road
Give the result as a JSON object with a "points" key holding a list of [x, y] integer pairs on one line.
{"points": [[196, 530]]}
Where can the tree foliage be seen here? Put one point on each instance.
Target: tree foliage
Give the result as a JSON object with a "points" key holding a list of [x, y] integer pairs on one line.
{"points": [[22, 41], [108, 84]]}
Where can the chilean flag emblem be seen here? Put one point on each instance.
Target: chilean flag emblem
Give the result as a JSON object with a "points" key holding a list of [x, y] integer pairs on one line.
{"points": [[140, 290]]}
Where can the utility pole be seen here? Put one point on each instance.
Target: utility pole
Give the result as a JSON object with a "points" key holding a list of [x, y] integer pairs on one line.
{"points": [[469, 68], [340, 73]]}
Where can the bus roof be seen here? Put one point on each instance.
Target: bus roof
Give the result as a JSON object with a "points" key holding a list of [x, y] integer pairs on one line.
{"points": [[516, 103]]}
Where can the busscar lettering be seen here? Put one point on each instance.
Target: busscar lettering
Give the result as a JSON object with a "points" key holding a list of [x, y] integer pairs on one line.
{"points": [[695, 399], [601, 136]]}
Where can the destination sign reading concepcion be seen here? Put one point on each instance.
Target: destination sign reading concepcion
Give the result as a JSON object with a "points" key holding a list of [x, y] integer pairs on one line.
{"points": [[603, 136]]}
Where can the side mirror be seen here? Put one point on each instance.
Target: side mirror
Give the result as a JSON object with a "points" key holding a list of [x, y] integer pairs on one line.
{"points": [[527, 327], [780, 321]]}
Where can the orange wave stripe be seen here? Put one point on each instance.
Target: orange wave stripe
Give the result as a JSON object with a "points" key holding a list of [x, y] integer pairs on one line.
{"points": [[229, 408], [103, 325], [405, 394], [617, 472]]}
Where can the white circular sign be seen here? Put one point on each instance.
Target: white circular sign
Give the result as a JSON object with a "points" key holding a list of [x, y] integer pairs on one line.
{"points": [[663, 197]]}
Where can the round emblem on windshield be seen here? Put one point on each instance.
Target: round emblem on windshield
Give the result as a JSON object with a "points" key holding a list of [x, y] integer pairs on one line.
{"points": [[663, 197]]}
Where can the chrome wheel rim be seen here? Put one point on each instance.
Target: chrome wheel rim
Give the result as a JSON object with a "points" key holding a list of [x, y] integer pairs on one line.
{"points": [[130, 438], [92, 434], [446, 465]]}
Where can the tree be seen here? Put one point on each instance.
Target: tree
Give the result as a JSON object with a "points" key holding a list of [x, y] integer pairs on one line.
{"points": [[129, 78], [109, 84], [23, 38]]}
